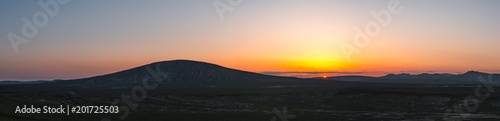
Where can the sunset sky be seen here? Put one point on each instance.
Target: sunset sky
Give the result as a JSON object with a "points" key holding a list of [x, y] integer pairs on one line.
{"points": [[289, 37]]}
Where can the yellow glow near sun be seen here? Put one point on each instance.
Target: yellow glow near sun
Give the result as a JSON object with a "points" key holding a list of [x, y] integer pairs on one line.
{"points": [[315, 55], [314, 65]]}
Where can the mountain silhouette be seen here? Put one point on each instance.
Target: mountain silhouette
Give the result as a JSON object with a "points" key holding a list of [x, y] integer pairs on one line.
{"points": [[470, 77], [188, 72]]}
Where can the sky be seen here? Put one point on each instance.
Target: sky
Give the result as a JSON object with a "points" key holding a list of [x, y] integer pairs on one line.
{"points": [[301, 38]]}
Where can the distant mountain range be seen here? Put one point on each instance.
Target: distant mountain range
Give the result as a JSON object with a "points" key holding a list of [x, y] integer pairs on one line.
{"points": [[21, 82], [468, 77]]}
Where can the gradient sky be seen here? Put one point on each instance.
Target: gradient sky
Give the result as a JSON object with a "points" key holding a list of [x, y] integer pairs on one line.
{"points": [[93, 37]]}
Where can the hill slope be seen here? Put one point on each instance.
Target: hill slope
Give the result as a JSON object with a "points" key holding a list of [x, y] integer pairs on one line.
{"points": [[190, 72]]}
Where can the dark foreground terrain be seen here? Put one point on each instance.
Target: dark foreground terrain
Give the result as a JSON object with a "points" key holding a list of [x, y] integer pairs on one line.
{"points": [[196, 91]]}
